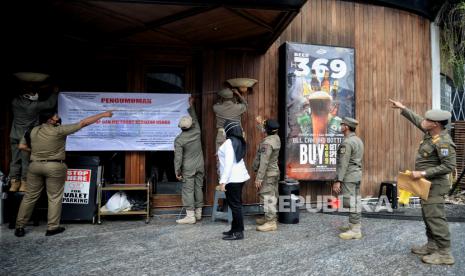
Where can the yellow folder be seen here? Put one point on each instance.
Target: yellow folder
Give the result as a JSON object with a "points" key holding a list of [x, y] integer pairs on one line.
{"points": [[419, 187]]}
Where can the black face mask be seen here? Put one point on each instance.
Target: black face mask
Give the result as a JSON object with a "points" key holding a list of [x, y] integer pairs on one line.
{"points": [[57, 123]]}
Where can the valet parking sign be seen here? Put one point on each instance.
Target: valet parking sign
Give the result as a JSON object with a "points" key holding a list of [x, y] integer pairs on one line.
{"points": [[77, 186]]}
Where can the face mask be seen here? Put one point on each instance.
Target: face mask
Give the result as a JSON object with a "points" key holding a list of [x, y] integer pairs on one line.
{"points": [[57, 122], [34, 97], [54, 122]]}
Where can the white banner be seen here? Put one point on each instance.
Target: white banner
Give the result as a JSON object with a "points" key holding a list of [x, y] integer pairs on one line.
{"points": [[77, 186], [140, 122]]}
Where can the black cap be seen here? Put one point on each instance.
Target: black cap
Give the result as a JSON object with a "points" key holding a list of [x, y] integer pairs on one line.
{"points": [[271, 124]]}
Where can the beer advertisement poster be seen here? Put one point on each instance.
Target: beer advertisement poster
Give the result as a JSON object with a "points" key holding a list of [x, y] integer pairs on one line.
{"points": [[319, 91]]}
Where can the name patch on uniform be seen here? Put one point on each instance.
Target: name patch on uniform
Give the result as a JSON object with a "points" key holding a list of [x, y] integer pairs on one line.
{"points": [[444, 152]]}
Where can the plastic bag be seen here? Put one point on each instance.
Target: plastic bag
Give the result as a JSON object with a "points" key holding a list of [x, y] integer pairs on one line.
{"points": [[404, 196], [118, 202]]}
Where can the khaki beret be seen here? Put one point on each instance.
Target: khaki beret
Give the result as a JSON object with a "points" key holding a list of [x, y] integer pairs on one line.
{"points": [[226, 93], [350, 122], [185, 122], [437, 115]]}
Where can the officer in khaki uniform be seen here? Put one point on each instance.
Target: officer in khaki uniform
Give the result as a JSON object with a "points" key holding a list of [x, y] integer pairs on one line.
{"points": [[26, 109], [47, 146], [349, 175], [267, 175], [189, 166], [227, 109], [435, 160]]}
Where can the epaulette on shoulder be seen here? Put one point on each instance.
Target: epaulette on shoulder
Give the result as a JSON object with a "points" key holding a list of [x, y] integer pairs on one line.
{"points": [[436, 139]]}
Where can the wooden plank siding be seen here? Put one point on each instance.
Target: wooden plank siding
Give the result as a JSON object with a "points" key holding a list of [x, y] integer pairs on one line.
{"points": [[392, 58]]}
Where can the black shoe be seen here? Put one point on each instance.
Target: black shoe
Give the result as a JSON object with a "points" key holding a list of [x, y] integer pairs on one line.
{"points": [[234, 236], [20, 232], [55, 231], [228, 233]]}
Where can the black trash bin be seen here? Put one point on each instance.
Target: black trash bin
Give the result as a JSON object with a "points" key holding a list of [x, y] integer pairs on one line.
{"points": [[80, 195], [289, 193]]}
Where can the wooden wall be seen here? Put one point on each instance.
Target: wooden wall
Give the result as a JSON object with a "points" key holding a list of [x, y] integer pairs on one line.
{"points": [[392, 61]]}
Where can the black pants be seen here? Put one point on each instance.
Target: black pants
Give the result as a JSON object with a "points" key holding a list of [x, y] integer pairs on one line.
{"points": [[234, 197]]}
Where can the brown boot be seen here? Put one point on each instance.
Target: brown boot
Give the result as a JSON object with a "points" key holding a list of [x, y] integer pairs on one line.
{"points": [[14, 185], [188, 219], [260, 221], [344, 228], [355, 232], [439, 257], [22, 188], [268, 226], [426, 249]]}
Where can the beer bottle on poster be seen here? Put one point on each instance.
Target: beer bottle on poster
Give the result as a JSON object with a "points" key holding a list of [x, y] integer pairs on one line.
{"points": [[307, 90], [325, 84], [334, 89], [315, 83]]}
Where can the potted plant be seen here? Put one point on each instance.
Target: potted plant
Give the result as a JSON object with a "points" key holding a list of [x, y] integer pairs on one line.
{"points": [[451, 21]]}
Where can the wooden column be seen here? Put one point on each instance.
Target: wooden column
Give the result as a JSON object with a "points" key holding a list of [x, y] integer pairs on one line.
{"points": [[135, 160], [135, 167]]}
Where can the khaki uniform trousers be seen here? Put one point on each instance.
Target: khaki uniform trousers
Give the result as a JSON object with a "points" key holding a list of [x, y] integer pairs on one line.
{"points": [[437, 228], [269, 193], [19, 161], [192, 194], [53, 176], [351, 200]]}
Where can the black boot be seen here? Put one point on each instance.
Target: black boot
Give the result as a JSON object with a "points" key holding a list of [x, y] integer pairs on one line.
{"points": [[228, 233], [55, 231], [20, 232], [234, 236]]}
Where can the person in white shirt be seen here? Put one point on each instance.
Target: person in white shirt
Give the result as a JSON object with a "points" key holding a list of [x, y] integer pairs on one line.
{"points": [[233, 175]]}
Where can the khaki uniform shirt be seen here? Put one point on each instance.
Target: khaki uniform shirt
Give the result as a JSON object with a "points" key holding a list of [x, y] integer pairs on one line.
{"points": [[228, 111], [25, 113], [48, 142], [266, 159], [349, 159], [436, 156], [188, 154]]}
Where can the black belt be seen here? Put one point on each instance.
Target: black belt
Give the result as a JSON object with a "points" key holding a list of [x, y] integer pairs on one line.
{"points": [[55, 160]]}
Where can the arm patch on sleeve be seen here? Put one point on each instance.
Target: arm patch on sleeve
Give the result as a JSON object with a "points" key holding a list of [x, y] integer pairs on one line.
{"points": [[264, 148]]}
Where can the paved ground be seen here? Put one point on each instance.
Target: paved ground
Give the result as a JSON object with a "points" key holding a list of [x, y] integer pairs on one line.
{"points": [[164, 248]]}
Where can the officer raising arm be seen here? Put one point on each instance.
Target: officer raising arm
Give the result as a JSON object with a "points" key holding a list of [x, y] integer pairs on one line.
{"points": [[267, 174], [227, 109], [26, 108], [189, 165], [435, 159], [47, 145]]}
